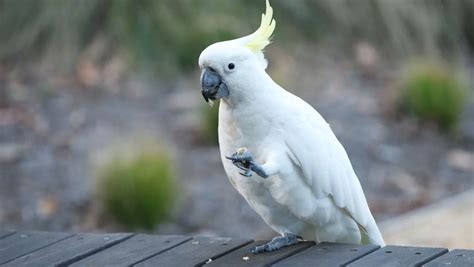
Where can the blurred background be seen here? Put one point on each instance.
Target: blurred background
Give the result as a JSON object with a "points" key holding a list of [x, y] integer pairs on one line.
{"points": [[103, 128]]}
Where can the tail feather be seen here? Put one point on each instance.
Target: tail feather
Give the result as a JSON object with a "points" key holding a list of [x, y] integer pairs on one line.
{"points": [[371, 235]]}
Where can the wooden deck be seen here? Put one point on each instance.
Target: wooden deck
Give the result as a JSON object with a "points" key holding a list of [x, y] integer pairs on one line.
{"points": [[124, 249]]}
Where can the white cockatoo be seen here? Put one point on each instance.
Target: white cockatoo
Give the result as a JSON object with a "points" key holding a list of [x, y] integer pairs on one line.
{"points": [[304, 185]]}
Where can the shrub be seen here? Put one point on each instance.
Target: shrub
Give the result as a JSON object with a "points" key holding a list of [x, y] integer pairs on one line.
{"points": [[138, 191], [434, 93]]}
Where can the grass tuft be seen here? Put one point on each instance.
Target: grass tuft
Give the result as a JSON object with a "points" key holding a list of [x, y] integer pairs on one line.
{"points": [[434, 93], [138, 191]]}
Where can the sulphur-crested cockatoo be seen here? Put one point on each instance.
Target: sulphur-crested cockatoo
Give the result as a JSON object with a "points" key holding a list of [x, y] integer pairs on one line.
{"points": [[305, 186]]}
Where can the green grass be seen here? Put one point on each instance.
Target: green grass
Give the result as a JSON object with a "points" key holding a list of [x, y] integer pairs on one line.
{"points": [[138, 192], [434, 93]]}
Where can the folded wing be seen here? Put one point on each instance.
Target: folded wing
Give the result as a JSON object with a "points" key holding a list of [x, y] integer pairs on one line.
{"points": [[327, 170]]}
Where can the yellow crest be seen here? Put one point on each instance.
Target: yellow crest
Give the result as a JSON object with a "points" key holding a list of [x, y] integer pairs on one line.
{"points": [[261, 38]]}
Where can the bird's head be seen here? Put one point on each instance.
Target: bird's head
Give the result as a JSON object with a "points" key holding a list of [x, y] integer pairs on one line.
{"points": [[230, 67]]}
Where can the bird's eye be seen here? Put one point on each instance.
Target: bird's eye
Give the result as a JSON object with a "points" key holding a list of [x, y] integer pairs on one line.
{"points": [[231, 66], [211, 69]]}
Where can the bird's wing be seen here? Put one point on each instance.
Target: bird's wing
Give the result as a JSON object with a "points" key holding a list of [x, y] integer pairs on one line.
{"points": [[326, 168]]}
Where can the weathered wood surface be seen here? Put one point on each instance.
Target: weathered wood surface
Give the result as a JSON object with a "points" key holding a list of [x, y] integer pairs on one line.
{"points": [[22, 243], [243, 256], [5, 233], [399, 256], [71, 249], [328, 254], [196, 251], [133, 250], [66, 249], [456, 257]]}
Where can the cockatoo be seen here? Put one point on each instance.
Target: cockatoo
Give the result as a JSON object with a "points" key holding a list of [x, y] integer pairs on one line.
{"points": [[305, 187]]}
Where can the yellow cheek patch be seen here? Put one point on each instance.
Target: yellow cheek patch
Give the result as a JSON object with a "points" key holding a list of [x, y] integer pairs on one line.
{"points": [[261, 38]]}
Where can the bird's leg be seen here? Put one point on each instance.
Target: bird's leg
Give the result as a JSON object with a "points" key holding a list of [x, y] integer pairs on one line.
{"points": [[258, 170], [276, 243], [243, 160]]}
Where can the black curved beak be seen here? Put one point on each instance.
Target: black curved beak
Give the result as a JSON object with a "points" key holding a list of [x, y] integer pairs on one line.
{"points": [[212, 86]]}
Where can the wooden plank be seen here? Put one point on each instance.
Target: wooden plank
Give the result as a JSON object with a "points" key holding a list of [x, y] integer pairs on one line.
{"points": [[5, 233], [399, 256], [328, 254], [196, 252], [69, 250], [21, 243], [243, 256], [457, 257], [132, 250]]}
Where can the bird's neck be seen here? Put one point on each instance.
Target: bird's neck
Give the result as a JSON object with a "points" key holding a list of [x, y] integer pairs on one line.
{"points": [[237, 120], [252, 95], [249, 114]]}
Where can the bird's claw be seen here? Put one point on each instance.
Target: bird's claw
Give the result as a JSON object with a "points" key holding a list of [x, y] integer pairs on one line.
{"points": [[260, 249], [243, 160], [247, 173], [276, 243], [244, 157]]}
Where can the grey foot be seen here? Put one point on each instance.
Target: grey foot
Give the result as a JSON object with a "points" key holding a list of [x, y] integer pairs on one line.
{"points": [[243, 160], [276, 243]]}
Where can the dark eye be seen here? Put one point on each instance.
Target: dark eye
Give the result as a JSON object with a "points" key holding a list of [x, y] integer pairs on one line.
{"points": [[231, 66], [212, 69]]}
